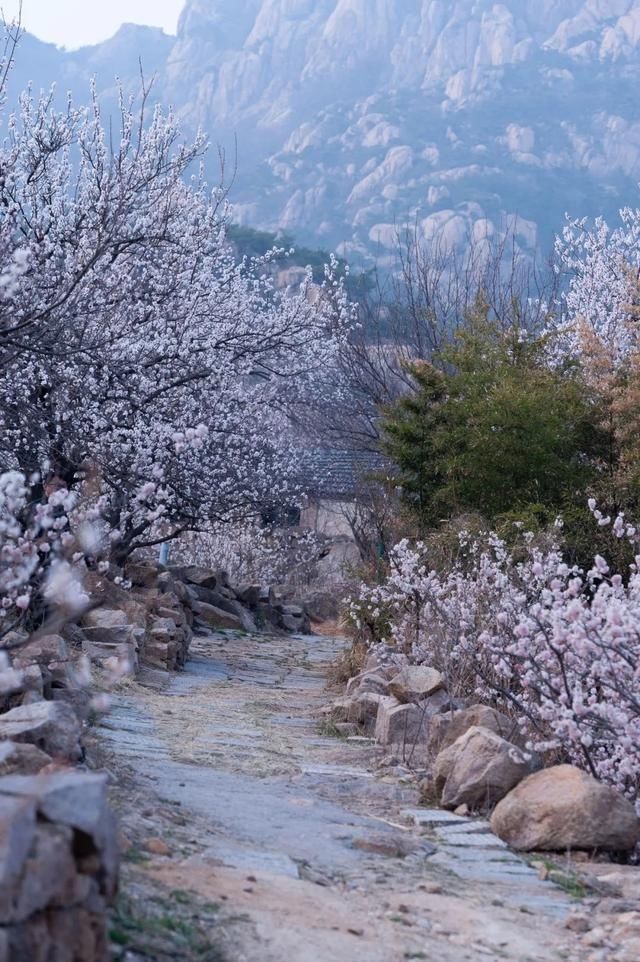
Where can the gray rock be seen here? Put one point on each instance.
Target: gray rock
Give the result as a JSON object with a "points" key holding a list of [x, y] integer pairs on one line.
{"points": [[58, 868], [47, 657], [115, 626], [215, 617], [248, 595], [321, 606], [294, 610], [399, 724], [17, 835], [79, 801], [51, 726], [50, 878], [101, 651], [298, 623], [142, 575], [368, 681], [200, 577], [363, 709], [246, 618], [209, 595], [33, 682]]}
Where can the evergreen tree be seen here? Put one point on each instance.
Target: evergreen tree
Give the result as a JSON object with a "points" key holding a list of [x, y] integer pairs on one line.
{"points": [[492, 428]]}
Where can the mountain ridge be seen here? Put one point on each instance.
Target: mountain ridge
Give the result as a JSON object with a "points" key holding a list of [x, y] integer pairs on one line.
{"points": [[357, 118]]}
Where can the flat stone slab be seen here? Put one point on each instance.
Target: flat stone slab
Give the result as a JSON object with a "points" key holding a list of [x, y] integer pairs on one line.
{"points": [[471, 839], [252, 859], [430, 817], [470, 826]]}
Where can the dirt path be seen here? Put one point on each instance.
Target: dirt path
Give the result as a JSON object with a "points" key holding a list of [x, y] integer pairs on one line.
{"points": [[276, 844]]}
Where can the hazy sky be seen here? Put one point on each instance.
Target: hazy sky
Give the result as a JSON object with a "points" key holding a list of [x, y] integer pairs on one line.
{"points": [[72, 23]]}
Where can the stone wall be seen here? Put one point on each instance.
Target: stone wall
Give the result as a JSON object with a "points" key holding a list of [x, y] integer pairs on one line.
{"points": [[58, 867]]}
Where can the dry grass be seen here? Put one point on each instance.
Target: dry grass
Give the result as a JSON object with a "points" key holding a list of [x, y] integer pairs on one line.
{"points": [[350, 663]]}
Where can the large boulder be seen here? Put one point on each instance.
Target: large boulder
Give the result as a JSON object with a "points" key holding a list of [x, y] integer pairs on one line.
{"points": [[479, 769], [79, 801], [322, 606], [563, 808], [215, 617], [293, 618], [449, 727], [106, 654], [209, 595], [51, 726], [249, 595], [415, 682], [246, 618]]}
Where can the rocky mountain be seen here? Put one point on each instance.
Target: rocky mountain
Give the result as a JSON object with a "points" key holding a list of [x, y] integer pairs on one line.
{"points": [[353, 118]]}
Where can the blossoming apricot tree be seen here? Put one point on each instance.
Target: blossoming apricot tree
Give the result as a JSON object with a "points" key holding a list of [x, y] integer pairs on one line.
{"points": [[132, 344]]}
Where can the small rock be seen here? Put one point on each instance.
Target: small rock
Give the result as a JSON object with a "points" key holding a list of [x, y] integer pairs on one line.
{"points": [[577, 923], [462, 810], [432, 888], [156, 846]]}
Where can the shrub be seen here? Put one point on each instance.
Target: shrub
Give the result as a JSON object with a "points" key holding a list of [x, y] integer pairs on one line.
{"points": [[495, 428]]}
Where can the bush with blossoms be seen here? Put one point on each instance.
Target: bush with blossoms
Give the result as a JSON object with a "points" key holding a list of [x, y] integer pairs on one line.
{"points": [[556, 646]]}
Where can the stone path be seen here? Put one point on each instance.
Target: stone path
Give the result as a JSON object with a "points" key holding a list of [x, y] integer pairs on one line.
{"points": [[314, 851]]}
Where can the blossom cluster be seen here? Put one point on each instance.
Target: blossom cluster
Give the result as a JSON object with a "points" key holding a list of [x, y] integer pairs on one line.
{"points": [[252, 553], [33, 539]]}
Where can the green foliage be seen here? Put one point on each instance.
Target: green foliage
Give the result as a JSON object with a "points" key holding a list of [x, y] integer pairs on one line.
{"points": [[492, 428]]}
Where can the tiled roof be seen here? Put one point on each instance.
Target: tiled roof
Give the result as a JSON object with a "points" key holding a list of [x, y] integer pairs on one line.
{"points": [[333, 473]]}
